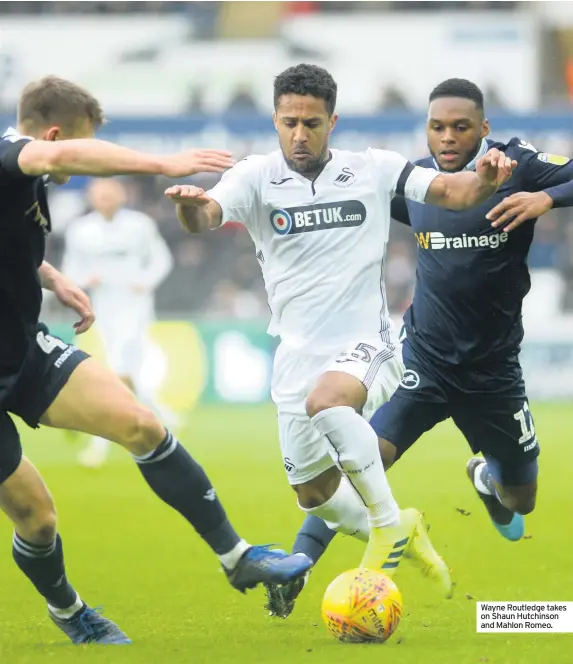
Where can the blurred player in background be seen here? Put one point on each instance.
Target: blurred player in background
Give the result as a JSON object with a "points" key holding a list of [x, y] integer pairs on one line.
{"points": [[463, 330], [46, 381], [320, 219], [120, 258]]}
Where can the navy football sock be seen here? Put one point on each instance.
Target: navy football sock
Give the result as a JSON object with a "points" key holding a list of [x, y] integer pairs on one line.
{"points": [[44, 566], [180, 481], [313, 538]]}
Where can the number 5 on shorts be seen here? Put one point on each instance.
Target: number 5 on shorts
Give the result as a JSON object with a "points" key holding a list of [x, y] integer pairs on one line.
{"points": [[361, 352], [525, 419]]}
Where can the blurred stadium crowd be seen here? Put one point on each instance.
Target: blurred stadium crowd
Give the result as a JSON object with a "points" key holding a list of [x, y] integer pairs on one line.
{"points": [[216, 275]]}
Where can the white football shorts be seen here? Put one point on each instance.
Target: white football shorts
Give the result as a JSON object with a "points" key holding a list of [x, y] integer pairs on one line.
{"points": [[305, 452]]}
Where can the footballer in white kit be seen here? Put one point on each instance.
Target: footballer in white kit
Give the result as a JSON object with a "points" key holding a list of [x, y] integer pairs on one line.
{"points": [[321, 245], [119, 256], [320, 219]]}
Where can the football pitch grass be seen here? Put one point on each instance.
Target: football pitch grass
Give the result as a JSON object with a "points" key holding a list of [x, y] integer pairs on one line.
{"points": [[127, 551]]}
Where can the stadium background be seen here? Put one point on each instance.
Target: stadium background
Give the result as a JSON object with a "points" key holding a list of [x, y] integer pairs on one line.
{"points": [[178, 74], [143, 64]]}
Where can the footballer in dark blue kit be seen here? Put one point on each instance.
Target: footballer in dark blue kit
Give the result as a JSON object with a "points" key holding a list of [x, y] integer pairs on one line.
{"points": [[462, 333], [48, 382]]}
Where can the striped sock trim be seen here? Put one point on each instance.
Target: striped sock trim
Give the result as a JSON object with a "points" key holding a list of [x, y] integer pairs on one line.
{"points": [[32, 550], [162, 451]]}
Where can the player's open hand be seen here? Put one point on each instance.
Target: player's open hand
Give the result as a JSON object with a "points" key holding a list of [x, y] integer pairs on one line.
{"points": [[519, 208], [494, 168], [190, 162], [187, 195], [73, 297]]}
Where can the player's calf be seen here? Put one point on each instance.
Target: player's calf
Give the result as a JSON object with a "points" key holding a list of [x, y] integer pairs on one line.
{"points": [[520, 499], [505, 503], [388, 453], [36, 546], [25, 499], [95, 401]]}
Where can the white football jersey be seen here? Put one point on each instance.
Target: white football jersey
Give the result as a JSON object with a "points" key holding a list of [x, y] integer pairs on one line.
{"points": [[123, 253], [321, 244]]}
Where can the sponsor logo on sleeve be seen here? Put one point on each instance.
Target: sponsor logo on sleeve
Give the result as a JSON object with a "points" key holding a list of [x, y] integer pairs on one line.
{"points": [[555, 159]]}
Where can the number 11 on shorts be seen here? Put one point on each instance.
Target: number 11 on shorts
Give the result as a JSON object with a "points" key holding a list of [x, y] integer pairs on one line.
{"points": [[525, 419]]}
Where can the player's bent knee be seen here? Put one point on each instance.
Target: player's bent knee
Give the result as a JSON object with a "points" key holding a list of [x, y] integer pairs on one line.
{"points": [[336, 388], [45, 532], [142, 431], [37, 525], [320, 400]]}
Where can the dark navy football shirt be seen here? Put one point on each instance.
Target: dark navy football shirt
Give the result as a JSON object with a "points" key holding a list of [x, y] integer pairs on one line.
{"points": [[471, 278], [24, 222]]}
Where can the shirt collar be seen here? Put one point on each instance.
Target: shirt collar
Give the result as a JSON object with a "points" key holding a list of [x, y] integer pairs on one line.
{"points": [[471, 166], [14, 134], [10, 132]]}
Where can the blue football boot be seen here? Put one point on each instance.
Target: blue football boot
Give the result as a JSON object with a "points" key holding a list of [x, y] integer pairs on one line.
{"points": [[261, 564], [89, 626]]}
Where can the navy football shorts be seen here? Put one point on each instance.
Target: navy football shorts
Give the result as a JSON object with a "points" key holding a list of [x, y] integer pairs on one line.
{"points": [[47, 367], [487, 403]]}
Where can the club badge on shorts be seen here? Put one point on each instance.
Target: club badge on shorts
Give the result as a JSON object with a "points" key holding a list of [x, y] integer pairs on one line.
{"points": [[410, 380]]}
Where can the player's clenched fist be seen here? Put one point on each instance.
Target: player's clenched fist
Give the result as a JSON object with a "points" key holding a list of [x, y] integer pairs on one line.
{"points": [[494, 168], [186, 194], [190, 162]]}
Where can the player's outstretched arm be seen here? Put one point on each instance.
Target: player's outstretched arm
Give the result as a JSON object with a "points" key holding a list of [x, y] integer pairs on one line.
{"points": [[87, 156], [458, 191], [196, 210]]}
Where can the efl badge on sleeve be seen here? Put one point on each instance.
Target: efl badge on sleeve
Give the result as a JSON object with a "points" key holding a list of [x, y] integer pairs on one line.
{"points": [[555, 159]]}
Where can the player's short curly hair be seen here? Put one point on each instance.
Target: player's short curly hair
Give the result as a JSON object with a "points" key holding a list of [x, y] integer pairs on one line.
{"points": [[458, 87], [307, 80]]}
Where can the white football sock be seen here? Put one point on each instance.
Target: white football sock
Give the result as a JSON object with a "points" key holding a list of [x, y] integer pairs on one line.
{"points": [[230, 559], [355, 451], [66, 614], [479, 485], [344, 512]]}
